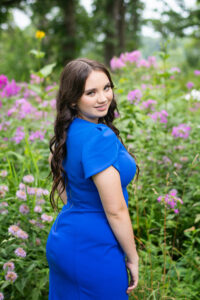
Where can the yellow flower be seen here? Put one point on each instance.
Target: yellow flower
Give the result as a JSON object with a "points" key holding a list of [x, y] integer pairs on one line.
{"points": [[39, 34]]}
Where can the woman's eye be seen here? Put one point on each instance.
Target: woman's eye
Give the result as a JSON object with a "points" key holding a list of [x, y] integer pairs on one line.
{"points": [[90, 93], [107, 87]]}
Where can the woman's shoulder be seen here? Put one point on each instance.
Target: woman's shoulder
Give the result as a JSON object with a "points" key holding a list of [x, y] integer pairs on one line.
{"points": [[90, 129]]}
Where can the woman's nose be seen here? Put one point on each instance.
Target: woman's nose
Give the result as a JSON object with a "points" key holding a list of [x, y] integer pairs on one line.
{"points": [[102, 97]]}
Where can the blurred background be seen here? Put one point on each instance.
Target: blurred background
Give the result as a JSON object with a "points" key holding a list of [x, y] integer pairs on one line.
{"points": [[97, 29]]}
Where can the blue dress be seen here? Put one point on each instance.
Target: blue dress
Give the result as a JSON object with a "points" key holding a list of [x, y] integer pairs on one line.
{"points": [[86, 262]]}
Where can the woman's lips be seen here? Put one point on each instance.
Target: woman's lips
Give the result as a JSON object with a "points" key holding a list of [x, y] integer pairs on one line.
{"points": [[102, 107]]}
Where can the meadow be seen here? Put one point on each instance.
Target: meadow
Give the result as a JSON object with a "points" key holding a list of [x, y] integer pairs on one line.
{"points": [[158, 119]]}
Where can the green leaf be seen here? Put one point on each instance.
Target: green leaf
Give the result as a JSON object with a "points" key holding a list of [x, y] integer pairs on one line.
{"points": [[38, 54], [46, 71]]}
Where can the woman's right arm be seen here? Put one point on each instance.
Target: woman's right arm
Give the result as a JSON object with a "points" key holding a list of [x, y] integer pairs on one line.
{"points": [[109, 187]]}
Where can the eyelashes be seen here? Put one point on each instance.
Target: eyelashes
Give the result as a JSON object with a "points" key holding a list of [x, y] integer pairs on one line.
{"points": [[107, 86]]}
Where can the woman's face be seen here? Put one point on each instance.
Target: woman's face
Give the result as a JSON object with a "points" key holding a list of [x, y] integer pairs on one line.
{"points": [[96, 99]]}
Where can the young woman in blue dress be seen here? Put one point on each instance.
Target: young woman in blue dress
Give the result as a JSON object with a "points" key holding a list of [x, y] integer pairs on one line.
{"points": [[86, 92]]}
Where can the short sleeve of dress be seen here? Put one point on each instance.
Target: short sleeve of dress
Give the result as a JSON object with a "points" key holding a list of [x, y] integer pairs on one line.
{"points": [[100, 151]]}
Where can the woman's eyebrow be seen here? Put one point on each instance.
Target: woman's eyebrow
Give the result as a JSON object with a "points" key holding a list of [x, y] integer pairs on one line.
{"points": [[94, 89]]}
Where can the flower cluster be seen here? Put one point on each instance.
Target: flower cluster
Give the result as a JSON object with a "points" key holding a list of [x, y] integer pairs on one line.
{"points": [[46, 218], [171, 200], [159, 116], [149, 104], [194, 94], [181, 131], [20, 252], [9, 89], [135, 96], [132, 57], [18, 232]]}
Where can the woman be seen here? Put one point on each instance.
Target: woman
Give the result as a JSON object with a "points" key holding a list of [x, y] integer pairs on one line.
{"points": [[92, 235]]}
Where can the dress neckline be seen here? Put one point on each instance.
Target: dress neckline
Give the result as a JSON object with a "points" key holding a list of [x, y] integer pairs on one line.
{"points": [[79, 119]]}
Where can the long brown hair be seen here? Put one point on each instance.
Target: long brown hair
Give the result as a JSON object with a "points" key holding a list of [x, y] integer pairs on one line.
{"points": [[72, 85]]}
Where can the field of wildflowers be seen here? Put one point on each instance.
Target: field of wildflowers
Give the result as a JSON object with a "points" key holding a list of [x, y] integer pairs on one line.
{"points": [[159, 122]]}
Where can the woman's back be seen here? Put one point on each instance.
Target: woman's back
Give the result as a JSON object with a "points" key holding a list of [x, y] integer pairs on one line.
{"points": [[86, 260]]}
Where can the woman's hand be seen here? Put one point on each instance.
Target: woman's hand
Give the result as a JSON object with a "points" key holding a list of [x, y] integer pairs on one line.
{"points": [[133, 268]]}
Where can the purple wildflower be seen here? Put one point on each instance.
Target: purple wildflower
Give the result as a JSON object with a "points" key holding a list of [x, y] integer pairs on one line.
{"points": [[11, 276], [3, 81], [148, 104], [19, 135], [133, 56], [21, 195], [40, 201], [37, 135], [1, 296], [9, 266], [20, 252], [3, 204], [181, 131], [24, 209], [46, 218], [38, 209], [171, 200], [28, 178], [116, 63], [175, 70], [135, 96], [161, 116], [197, 72], [10, 89], [22, 234], [189, 85], [13, 229], [3, 173]]}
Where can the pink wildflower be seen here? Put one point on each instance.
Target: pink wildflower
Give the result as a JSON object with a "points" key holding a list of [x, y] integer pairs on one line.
{"points": [[4, 188], [21, 195], [13, 229], [46, 218], [37, 135], [9, 266], [24, 209], [135, 96], [3, 173], [19, 135], [40, 201], [20, 252], [175, 70], [116, 63], [161, 116], [10, 89], [189, 85], [3, 204], [22, 234], [28, 178], [197, 72], [1, 296], [133, 56], [148, 104], [181, 131], [3, 81], [3, 211], [11, 276], [22, 186], [38, 209]]}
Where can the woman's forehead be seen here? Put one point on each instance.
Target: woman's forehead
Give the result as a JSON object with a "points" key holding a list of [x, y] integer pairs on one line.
{"points": [[96, 78]]}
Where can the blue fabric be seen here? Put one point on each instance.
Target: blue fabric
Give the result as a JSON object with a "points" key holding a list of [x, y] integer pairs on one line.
{"points": [[85, 259]]}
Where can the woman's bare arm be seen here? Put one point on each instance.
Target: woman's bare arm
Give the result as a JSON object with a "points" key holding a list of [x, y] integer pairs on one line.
{"points": [[63, 195], [109, 187]]}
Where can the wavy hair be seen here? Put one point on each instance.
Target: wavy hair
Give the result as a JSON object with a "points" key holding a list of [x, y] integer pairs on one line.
{"points": [[71, 88]]}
